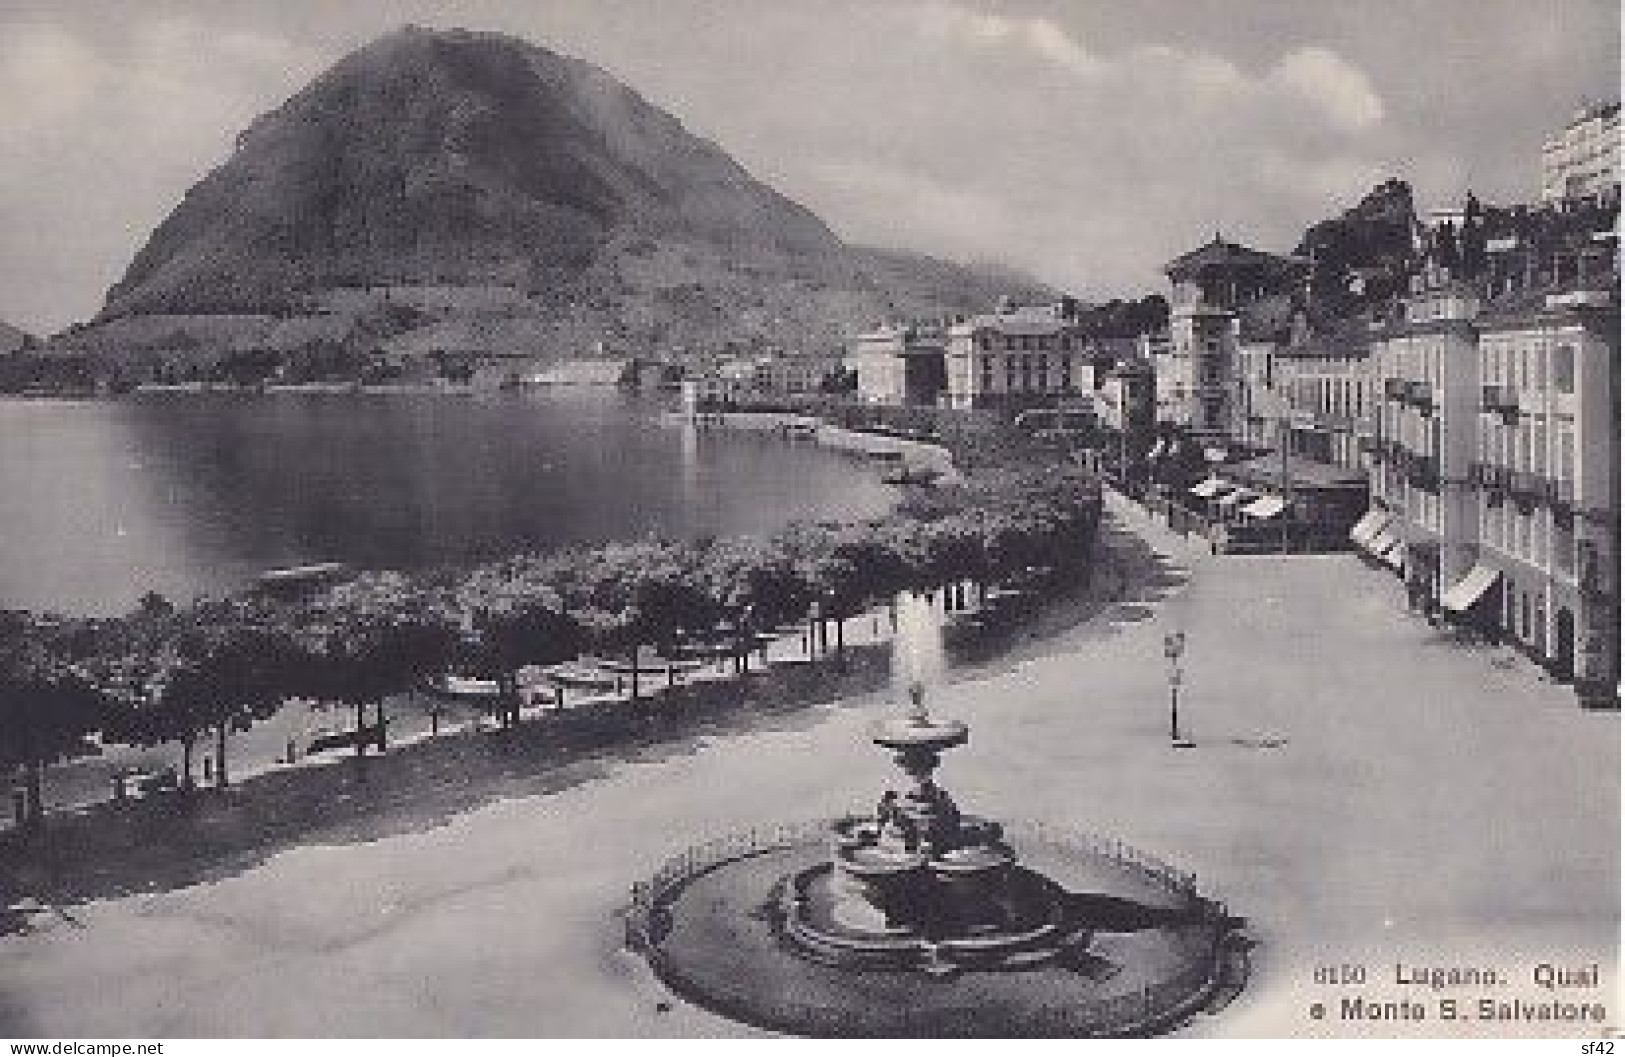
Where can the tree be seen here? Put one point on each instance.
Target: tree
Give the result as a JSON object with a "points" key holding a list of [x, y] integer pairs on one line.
{"points": [[366, 639], [178, 673], [506, 616], [47, 703]]}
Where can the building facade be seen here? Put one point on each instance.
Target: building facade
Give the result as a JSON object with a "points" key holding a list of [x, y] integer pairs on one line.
{"points": [[1017, 357], [1326, 395], [1546, 480], [1426, 358], [1581, 160], [1495, 467], [1200, 378], [900, 364], [799, 373]]}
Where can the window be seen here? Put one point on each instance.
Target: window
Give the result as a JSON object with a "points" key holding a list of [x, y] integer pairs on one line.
{"points": [[985, 342], [1563, 546], [1563, 368]]}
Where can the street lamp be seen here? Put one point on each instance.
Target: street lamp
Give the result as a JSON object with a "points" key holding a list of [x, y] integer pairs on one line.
{"points": [[1173, 648]]}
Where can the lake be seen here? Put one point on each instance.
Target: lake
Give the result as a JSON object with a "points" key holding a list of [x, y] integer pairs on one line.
{"points": [[191, 493]]}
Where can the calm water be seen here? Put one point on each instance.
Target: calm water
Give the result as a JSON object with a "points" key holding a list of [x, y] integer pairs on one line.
{"points": [[187, 493]]}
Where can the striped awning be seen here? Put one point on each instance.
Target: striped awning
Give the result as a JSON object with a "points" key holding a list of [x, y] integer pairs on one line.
{"points": [[1209, 488], [1264, 508], [1466, 592]]}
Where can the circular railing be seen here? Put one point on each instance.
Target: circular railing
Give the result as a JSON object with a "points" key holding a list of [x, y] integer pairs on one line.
{"points": [[1136, 1012]]}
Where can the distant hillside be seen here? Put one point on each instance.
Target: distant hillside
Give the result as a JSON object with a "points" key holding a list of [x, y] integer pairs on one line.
{"points": [[450, 190], [12, 339]]}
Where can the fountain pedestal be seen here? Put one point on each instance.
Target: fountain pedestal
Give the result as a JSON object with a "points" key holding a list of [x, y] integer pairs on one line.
{"points": [[919, 883]]}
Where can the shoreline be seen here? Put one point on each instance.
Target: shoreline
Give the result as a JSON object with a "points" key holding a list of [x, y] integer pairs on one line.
{"points": [[109, 851], [828, 435]]}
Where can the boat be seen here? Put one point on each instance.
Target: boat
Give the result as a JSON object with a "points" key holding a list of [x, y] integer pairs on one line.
{"points": [[580, 676], [299, 576], [466, 686], [910, 475]]}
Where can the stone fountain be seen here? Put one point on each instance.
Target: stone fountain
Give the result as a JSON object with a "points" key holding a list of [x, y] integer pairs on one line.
{"points": [[919, 883], [919, 919]]}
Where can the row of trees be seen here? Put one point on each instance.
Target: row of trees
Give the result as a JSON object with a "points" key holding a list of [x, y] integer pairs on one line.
{"points": [[182, 674]]}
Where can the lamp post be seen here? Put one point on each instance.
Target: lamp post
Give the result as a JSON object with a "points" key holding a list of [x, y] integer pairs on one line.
{"points": [[1173, 648]]}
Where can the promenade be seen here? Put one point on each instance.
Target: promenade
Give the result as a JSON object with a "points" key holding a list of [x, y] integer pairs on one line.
{"points": [[1362, 790]]}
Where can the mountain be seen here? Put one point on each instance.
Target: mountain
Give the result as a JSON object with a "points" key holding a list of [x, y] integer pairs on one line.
{"points": [[452, 190], [12, 339]]}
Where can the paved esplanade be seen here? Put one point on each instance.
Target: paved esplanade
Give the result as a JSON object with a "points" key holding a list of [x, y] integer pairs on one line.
{"points": [[1420, 803]]}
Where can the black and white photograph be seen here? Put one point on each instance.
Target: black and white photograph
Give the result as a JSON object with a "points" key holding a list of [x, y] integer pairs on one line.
{"points": [[845, 519]]}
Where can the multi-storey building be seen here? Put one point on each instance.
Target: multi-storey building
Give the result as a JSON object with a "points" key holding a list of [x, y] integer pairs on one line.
{"points": [[798, 373], [1495, 476], [1017, 357], [1581, 160], [1200, 378], [1427, 360], [900, 364], [1327, 396], [1546, 479]]}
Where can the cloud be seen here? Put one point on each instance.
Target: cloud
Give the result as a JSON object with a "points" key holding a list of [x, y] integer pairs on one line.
{"points": [[46, 77], [1087, 143], [1343, 91], [1007, 137], [100, 136]]}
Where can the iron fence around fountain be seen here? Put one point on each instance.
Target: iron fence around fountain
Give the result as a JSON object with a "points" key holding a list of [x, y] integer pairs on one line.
{"points": [[673, 874]]}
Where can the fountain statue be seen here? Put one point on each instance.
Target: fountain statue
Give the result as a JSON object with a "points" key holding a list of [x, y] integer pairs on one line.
{"points": [[920, 883], [923, 919]]}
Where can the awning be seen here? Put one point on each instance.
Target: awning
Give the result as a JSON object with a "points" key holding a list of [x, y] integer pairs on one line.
{"points": [[1209, 488], [1464, 593], [1267, 507], [1239, 496], [1364, 530], [1382, 540]]}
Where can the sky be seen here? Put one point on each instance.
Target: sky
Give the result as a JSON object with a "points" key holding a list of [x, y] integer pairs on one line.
{"points": [[1083, 141]]}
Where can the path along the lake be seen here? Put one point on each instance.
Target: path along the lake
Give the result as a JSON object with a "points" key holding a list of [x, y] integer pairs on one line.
{"points": [[1362, 790]]}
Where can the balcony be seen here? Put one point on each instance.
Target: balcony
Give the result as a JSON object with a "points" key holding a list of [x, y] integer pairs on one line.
{"points": [[1501, 400], [1526, 488], [1559, 495], [1421, 471]]}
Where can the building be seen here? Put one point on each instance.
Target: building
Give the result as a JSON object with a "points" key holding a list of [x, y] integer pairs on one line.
{"points": [[721, 385], [1127, 405], [799, 373], [1581, 159], [1017, 357], [1495, 478], [1546, 481], [1426, 357], [1325, 394], [1200, 378], [900, 364]]}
